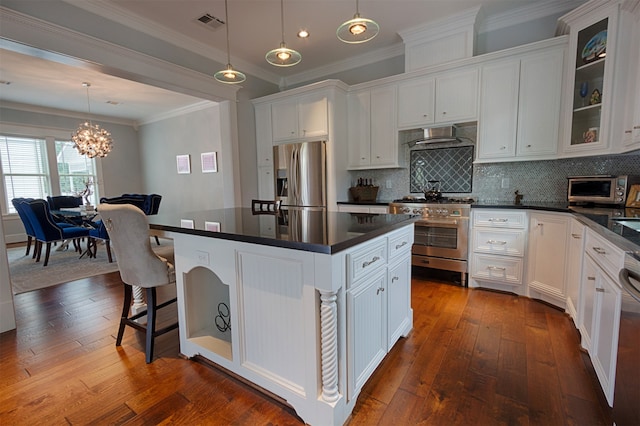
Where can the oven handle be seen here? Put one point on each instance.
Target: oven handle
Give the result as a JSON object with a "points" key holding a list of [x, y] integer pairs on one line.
{"points": [[626, 283], [427, 222]]}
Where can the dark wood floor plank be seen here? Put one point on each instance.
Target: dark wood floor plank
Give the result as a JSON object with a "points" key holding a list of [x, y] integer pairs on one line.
{"points": [[473, 357]]}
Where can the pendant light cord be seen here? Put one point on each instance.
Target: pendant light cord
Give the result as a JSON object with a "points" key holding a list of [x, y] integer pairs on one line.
{"points": [[87, 85], [226, 17], [282, 18]]}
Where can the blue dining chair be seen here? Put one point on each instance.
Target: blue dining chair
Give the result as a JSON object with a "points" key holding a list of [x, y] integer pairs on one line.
{"points": [[99, 233], [18, 204], [48, 231], [148, 203], [57, 202]]}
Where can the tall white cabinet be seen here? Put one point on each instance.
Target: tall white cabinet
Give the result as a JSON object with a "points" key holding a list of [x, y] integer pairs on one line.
{"points": [[313, 112]]}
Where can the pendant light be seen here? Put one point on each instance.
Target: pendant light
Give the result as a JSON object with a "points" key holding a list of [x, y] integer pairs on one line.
{"points": [[229, 75], [358, 29], [90, 139], [283, 56]]}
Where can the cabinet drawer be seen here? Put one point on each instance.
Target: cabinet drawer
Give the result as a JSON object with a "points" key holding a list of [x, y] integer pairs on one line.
{"points": [[400, 242], [499, 241], [501, 269], [606, 255], [366, 260], [500, 218]]}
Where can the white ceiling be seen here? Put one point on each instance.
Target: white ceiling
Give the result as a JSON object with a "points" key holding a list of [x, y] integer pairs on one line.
{"points": [[255, 28]]}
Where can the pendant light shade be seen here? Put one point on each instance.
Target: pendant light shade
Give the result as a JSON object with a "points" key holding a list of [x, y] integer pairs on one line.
{"points": [[90, 139], [358, 29], [229, 75], [283, 56]]}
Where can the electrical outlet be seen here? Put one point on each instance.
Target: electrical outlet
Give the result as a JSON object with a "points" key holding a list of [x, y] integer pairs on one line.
{"points": [[389, 184], [505, 183]]}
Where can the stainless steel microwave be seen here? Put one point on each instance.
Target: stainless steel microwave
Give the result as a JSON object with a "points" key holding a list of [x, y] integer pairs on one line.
{"points": [[600, 189]]}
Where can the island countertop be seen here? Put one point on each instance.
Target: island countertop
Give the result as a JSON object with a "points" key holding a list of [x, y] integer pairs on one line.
{"points": [[306, 229]]}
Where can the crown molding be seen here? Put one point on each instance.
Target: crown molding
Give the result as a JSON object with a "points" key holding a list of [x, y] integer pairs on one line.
{"points": [[177, 112], [436, 28], [64, 113], [120, 15], [344, 65]]}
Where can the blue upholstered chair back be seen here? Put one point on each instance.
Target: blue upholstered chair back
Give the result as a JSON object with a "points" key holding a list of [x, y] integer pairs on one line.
{"points": [[44, 225], [58, 202], [19, 205], [148, 203]]}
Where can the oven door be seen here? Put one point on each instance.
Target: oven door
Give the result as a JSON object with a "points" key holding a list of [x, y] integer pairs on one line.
{"points": [[446, 238]]}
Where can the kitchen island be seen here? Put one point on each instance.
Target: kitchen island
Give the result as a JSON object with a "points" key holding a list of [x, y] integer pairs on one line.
{"points": [[304, 304]]}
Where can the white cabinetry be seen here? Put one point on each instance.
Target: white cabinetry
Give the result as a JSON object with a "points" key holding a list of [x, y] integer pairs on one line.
{"points": [[596, 126], [632, 122], [266, 183], [445, 98], [372, 130], [600, 304], [378, 303], [301, 117], [574, 268], [516, 96], [264, 141], [547, 255], [498, 241]]}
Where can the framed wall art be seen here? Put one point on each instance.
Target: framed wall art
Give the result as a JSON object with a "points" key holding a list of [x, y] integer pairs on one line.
{"points": [[633, 200], [209, 162], [183, 164]]}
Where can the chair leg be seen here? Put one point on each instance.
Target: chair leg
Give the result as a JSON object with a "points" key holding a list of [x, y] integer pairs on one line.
{"points": [[46, 255], [151, 322], [39, 251], [125, 313], [157, 240], [28, 245], [108, 246]]}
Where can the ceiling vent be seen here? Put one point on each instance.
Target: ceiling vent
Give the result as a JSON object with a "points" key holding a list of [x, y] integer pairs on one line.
{"points": [[210, 21]]}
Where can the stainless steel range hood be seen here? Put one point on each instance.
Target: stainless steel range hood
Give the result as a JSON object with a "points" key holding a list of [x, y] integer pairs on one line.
{"points": [[436, 134]]}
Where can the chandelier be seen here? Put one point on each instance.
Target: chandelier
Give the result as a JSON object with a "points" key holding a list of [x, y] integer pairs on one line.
{"points": [[90, 139]]}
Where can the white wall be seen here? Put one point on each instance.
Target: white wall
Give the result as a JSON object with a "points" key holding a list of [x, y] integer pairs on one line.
{"points": [[7, 311], [192, 133]]}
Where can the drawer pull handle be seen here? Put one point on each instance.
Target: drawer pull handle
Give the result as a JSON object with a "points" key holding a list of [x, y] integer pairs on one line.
{"points": [[496, 268], [496, 242], [379, 290], [591, 278], [394, 279], [600, 290], [576, 236], [493, 219], [404, 243], [365, 264], [599, 250]]}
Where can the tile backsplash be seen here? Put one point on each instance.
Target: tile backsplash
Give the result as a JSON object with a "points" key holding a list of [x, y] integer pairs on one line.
{"points": [[544, 181]]}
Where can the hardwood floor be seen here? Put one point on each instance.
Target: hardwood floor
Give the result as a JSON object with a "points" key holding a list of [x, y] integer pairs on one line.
{"points": [[473, 357]]}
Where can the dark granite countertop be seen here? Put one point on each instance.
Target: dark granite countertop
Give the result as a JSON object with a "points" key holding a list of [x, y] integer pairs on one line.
{"points": [[314, 230], [367, 203]]}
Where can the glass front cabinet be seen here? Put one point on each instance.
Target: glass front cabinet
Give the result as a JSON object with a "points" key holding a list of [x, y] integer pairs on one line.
{"points": [[597, 72]]}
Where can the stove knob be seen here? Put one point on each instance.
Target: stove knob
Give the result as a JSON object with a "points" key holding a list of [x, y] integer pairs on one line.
{"points": [[406, 210], [417, 211]]}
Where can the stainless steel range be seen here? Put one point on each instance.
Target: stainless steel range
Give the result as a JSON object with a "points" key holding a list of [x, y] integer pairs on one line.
{"points": [[441, 234]]}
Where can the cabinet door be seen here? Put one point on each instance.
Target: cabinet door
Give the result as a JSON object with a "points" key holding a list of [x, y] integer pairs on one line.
{"points": [[398, 300], [366, 317], [498, 110], [384, 145], [605, 348], [539, 103], [547, 256], [266, 184], [588, 302], [574, 268], [264, 141], [284, 119], [313, 116], [359, 129], [457, 96], [416, 103]]}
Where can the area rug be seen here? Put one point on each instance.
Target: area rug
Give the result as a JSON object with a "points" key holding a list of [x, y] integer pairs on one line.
{"points": [[64, 266]]}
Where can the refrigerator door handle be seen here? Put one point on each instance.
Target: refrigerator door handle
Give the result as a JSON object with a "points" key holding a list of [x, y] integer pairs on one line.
{"points": [[294, 171]]}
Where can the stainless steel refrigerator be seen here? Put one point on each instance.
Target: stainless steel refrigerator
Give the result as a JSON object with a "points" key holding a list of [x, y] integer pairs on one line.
{"points": [[300, 173]]}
